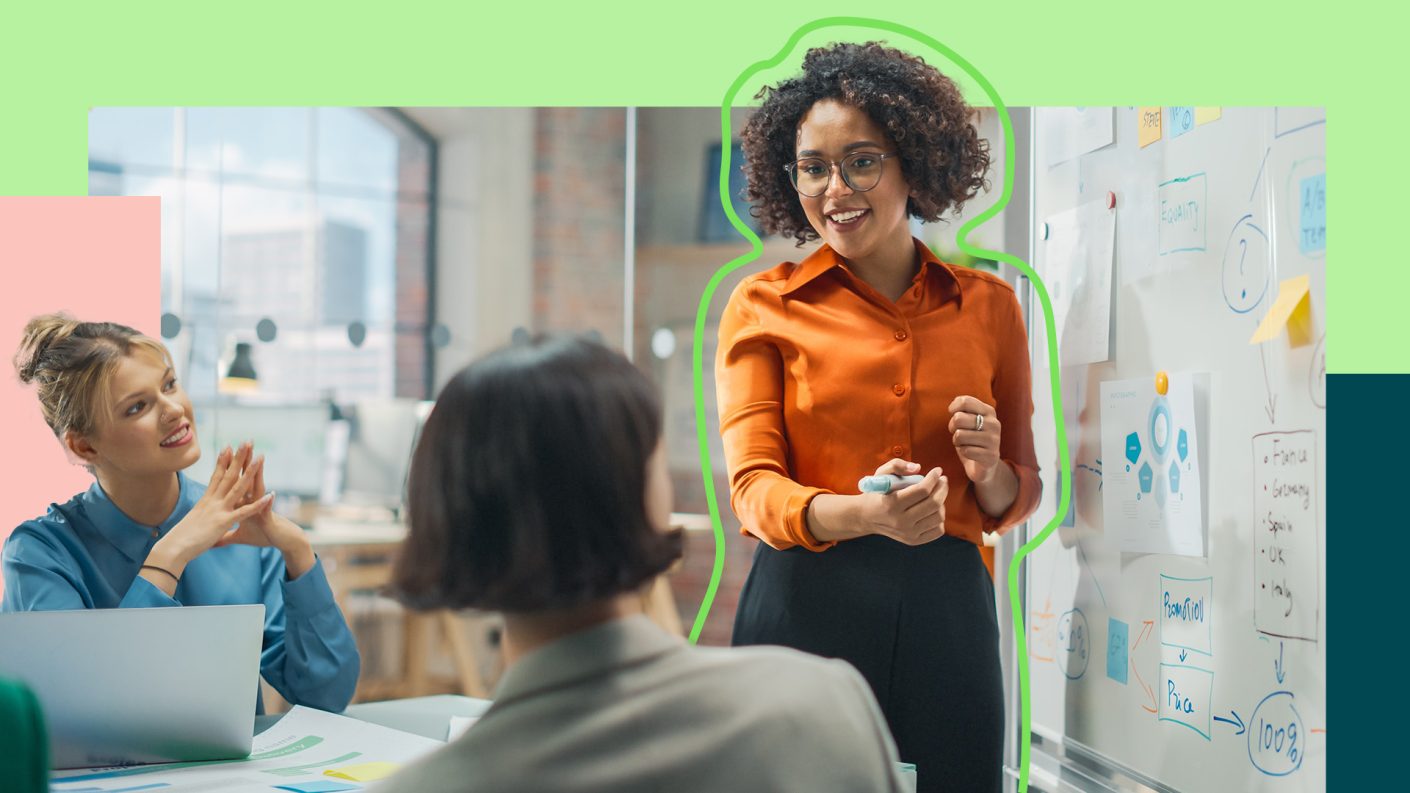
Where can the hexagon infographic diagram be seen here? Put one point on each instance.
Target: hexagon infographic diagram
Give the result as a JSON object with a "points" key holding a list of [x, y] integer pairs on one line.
{"points": [[1153, 498]]}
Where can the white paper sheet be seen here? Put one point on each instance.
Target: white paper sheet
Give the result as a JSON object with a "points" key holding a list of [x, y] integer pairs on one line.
{"points": [[459, 725], [298, 748], [1068, 132], [1076, 267], [1151, 475]]}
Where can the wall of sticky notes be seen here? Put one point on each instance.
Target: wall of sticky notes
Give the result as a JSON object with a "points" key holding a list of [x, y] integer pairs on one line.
{"points": [[1175, 621]]}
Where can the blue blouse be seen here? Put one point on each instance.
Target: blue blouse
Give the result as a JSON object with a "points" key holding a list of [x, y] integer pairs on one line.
{"points": [[86, 554]]}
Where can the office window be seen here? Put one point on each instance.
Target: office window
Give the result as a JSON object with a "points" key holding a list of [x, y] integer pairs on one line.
{"points": [[312, 223]]}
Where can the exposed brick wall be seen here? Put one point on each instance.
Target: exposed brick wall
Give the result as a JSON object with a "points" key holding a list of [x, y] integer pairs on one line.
{"points": [[578, 250], [691, 579], [579, 200]]}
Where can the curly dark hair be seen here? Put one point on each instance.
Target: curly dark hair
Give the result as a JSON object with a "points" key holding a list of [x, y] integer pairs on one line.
{"points": [[942, 156]]}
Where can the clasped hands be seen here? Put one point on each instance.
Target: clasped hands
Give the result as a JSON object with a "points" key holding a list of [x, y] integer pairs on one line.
{"points": [[915, 515], [234, 510]]}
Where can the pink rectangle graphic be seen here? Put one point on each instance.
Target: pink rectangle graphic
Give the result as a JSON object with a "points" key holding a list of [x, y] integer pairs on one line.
{"points": [[97, 258]]}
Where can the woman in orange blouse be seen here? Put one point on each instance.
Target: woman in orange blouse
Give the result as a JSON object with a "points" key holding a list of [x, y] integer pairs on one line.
{"points": [[873, 356]]}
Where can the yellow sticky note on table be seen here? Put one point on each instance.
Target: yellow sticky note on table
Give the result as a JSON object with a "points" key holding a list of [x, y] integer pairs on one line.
{"points": [[363, 772], [1147, 125], [1204, 115], [1293, 308]]}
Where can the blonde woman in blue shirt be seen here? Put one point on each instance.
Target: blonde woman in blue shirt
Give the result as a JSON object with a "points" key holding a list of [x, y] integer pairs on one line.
{"points": [[146, 535]]}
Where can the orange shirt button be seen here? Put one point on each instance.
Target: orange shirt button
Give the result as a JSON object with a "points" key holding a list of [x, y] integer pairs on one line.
{"points": [[899, 389], [897, 451], [900, 335]]}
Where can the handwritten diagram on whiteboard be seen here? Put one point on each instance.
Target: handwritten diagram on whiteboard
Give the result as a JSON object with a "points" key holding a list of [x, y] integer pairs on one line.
{"points": [[1285, 562], [1151, 491], [1176, 621]]}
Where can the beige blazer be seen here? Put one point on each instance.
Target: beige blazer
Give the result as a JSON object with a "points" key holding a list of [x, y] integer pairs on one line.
{"points": [[625, 707]]}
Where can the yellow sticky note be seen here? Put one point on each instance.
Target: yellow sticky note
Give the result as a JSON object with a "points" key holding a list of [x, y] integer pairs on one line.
{"points": [[1204, 115], [363, 772], [1293, 309], [1147, 125]]}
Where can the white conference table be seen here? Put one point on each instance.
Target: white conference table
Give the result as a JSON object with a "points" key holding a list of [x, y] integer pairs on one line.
{"points": [[430, 717], [425, 716]]}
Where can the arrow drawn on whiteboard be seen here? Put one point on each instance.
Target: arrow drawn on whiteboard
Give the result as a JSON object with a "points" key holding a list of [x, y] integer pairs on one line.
{"points": [[1237, 721], [1185, 653], [1278, 665], [1149, 693], [1272, 406], [1096, 470], [1145, 631], [1146, 626]]}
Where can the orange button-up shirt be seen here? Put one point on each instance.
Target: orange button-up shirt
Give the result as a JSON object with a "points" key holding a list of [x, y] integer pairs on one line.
{"points": [[821, 379]]}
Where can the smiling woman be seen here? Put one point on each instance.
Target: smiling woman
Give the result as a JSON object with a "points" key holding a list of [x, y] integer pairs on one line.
{"points": [[144, 534], [872, 356]]}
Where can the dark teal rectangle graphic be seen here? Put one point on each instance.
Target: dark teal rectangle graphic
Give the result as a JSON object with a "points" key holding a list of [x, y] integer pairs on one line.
{"points": [[1366, 521]]}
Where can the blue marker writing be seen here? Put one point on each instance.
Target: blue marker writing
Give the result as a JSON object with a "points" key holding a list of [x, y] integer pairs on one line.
{"points": [[886, 483]]}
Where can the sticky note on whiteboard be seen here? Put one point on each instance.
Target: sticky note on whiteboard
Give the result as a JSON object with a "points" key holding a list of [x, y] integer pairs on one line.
{"points": [[1204, 115], [1116, 650], [1312, 195], [1147, 125], [1292, 309], [1182, 120]]}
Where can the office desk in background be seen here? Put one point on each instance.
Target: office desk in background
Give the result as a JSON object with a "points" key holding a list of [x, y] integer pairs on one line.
{"points": [[358, 556]]}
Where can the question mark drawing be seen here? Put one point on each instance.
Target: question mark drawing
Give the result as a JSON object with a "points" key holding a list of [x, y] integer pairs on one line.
{"points": [[1237, 280]]}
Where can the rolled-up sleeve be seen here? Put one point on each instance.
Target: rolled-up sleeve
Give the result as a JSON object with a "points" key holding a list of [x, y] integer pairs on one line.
{"points": [[749, 390], [309, 656], [1013, 395]]}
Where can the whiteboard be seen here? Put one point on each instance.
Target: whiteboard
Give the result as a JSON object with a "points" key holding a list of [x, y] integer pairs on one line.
{"points": [[1153, 662]]}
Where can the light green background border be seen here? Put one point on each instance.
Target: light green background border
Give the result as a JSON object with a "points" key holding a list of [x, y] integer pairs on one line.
{"points": [[58, 59]]}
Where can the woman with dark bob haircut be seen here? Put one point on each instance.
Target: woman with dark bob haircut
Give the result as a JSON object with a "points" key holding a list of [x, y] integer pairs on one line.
{"points": [[539, 488], [873, 357]]}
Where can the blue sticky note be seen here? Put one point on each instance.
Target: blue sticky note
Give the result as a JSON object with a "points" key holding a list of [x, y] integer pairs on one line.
{"points": [[319, 786], [1313, 197], [1116, 650], [1182, 120]]}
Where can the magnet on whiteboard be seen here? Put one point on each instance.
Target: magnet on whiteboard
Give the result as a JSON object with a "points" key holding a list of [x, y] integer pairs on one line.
{"points": [[1162, 382], [1110, 200], [1045, 229]]}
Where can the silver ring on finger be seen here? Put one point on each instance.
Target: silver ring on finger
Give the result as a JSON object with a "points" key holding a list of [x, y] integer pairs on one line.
{"points": [[978, 422]]}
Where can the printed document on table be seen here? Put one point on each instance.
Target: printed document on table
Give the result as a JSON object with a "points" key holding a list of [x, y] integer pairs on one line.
{"points": [[299, 748]]}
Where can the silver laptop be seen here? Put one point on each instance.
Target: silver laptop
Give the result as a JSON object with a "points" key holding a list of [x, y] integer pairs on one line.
{"points": [[139, 685]]}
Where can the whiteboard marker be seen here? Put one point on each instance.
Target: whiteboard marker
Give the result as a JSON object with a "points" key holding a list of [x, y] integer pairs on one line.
{"points": [[886, 483]]}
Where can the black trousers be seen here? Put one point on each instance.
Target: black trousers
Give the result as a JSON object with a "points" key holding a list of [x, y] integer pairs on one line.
{"points": [[917, 622]]}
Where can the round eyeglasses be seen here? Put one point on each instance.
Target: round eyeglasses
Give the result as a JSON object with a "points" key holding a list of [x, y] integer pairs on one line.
{"points": [[861, 171]]}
